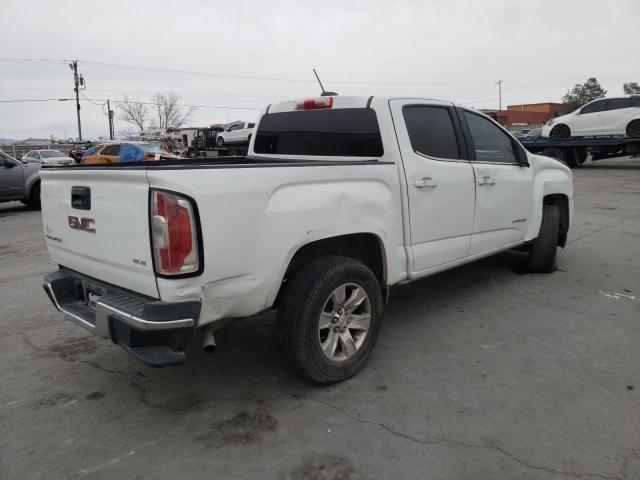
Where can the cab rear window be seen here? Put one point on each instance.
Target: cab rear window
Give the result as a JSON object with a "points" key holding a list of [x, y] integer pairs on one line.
{"points": [[344, 132]]}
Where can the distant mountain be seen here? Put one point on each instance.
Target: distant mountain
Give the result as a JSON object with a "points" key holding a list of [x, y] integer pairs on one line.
{"points": [[33, 141], [7, 141]]}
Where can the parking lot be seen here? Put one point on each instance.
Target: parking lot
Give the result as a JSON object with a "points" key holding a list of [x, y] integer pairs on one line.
{"points": [[481, 372]]}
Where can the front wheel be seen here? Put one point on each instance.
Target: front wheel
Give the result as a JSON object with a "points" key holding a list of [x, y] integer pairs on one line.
{"points": [[542, 256], [220, 141], [329, 318], [560, 131]]}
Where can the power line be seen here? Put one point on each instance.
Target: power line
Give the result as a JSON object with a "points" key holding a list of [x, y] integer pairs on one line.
{"points": [[90, 63], [25, 100], [104, 101]]}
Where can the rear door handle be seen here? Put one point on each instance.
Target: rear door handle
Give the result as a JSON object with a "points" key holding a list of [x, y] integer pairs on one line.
{"points": [[425, 182], [486, 180]]}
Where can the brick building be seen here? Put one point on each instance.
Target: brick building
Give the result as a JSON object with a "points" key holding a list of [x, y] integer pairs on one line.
{"points": [[528, 114]]}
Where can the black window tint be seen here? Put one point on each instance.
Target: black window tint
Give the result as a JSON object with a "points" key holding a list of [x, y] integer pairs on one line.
{"points": [[618, 103], [593, 107], [111, 150], [635, 100], [491, 144], [431, 131], [346, 132], [251, 125]]}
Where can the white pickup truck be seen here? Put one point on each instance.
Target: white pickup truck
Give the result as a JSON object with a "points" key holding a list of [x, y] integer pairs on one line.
{"points": [[339, 199]]}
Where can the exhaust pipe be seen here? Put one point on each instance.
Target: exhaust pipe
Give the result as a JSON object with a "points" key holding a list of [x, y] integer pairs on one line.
{"points": [[208, 340]]}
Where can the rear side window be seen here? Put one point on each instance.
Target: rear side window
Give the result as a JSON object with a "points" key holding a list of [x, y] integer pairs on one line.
{"points": [[635, 100], [491, 144], [344, 132], [431, 131], [618, 103]]}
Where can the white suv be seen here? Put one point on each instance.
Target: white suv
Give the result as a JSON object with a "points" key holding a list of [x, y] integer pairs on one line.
{"points": [[235, 133], [606, 116]]}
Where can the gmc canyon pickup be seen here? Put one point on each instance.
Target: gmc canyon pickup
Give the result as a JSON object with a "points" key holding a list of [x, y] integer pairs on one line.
{"points": [[339, 199]]}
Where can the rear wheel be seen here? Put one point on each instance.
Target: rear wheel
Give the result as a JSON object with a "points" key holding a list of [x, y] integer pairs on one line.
{"points": [[633, 129], [542, 256], [329, 318], [560, 131], [34, 198], [556, 153]]}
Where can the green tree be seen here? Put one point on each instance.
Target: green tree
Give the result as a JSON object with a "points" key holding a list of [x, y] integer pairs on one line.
{"points": [[631, 88], [581, 94]]}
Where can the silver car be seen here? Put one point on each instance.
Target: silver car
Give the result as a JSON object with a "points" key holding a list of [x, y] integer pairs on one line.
{"points": [[19, 181], [47, 157]]}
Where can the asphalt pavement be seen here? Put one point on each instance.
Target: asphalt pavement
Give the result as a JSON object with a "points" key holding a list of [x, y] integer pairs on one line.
{"points": [[481, 372]]}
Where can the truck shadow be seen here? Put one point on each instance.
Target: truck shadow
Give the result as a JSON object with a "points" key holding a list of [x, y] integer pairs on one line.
{"points": [[13, 207], [249, 368]]}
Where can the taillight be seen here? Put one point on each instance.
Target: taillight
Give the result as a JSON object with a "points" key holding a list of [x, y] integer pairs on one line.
{"points": [[174, 234], [314, 103]]}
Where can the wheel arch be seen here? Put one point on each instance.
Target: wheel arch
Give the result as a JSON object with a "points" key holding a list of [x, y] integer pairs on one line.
{"points": [[633, 121], [366, 247]]}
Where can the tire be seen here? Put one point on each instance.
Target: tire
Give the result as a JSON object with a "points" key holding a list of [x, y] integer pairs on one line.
{"points": [[560, 131], [542, 256], [311, 301], [34, 198], [556, 153], [220, 141], [633, 129]]}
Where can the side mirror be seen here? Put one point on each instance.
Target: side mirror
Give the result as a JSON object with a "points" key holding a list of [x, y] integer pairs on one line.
{"points": [[9, 164]]}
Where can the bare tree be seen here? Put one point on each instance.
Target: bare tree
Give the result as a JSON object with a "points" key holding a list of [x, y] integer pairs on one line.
{"points": [[133, 112], [170, 113]]}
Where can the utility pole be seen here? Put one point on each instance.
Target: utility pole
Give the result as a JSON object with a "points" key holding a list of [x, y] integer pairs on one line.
{"points": [[77, 80], [499, 83], [110, 112]]}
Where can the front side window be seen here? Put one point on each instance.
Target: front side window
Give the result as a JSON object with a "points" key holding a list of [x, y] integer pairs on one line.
{"points": [[251, 125], [111, 150], [593, 107], [431, 131], [618, 103], [491, 144], [344, 132]]}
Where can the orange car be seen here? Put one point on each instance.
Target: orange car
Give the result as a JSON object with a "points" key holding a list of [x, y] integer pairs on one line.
{"points": [[126, 152]]}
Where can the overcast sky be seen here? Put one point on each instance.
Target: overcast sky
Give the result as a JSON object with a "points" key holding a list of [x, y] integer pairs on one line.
{"points": [[210, 50]]}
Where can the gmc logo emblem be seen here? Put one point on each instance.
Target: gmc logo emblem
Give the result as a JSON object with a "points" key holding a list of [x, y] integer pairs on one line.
{"points": [[84, 224]]}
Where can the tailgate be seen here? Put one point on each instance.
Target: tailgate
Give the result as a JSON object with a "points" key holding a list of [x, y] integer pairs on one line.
{"points": [[104, 232]]}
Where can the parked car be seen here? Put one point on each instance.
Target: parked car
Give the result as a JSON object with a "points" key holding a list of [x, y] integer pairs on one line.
{"points": [[339, 199], [236, 133], [48, 157], [606, 116], [19, 181], [77, 150], [126, 152]]}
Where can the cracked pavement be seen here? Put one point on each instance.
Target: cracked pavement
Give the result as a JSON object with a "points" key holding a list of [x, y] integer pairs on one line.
{"points": [[482, 372]]}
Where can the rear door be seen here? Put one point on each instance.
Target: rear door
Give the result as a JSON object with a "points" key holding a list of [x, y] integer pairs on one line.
{"points": [[96, 222], [616, 115], [504, 188], [440, 181]]}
